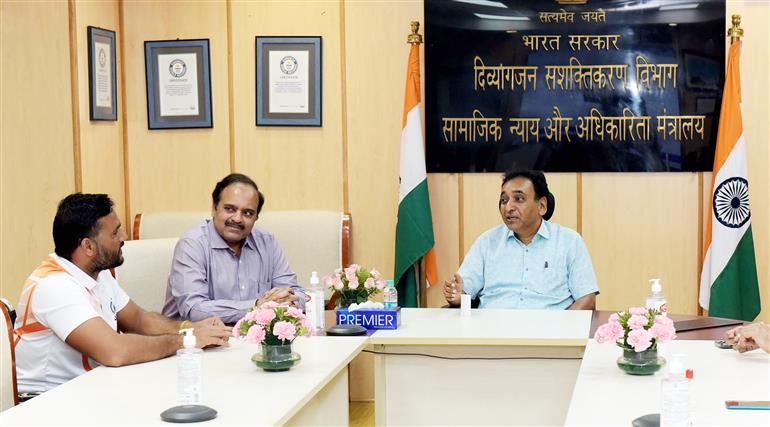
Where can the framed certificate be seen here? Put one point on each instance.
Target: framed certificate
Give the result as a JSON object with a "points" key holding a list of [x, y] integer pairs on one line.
{"points": [[288, 81], [102, 83], [178, 84]]}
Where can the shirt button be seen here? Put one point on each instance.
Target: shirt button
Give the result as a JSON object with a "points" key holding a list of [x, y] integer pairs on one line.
{"points": [[243, 287], [526, 269]]}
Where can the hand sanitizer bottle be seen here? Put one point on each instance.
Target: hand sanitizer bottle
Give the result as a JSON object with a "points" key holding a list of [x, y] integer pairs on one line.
{"points": [[656, 299], [315, 307], [390, 295], [676, 408], [189, 370]]}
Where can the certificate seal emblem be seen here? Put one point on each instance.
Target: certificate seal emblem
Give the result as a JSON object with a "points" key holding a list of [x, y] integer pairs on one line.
{"points": [[177, 68], [102, 58], [731, 202], [289, 64]]}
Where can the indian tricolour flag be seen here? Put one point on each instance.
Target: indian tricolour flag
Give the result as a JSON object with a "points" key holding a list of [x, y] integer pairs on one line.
{"points": [[728, 284], [414, 230]]}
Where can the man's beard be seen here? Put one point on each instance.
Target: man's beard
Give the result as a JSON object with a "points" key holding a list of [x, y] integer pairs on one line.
{"points": [[105, 260]]}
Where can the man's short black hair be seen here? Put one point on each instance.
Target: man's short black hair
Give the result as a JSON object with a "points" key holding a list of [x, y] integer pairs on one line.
{"points": [[77, 218], [236, 178], [536, 177]]}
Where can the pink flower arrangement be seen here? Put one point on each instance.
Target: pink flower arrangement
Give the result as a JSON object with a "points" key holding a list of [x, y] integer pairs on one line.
{"points": [[638, 328], [354, 284], [272, 324]]}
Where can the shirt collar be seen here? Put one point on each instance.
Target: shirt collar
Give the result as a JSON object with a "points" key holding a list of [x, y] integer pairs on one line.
{"points": [[217, 242], [543, 231], [75, 271]]}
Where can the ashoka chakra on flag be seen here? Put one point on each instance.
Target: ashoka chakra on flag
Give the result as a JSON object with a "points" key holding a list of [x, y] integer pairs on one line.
{"points": [[731, 202]]}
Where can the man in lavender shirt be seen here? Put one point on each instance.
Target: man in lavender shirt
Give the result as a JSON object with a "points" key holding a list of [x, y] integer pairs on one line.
{"points": [[225, 266]]}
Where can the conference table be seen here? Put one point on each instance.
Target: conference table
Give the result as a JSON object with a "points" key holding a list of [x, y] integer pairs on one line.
{"points": [[314, 392], [604, 395], [540, 367], [494, 367]]}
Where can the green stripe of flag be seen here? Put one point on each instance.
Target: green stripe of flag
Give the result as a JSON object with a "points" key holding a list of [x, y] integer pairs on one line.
{"points": [[735, 293], [414, 238]]}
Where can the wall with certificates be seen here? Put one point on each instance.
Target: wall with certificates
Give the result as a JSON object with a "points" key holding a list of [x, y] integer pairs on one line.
{"points": [[51, 147]]}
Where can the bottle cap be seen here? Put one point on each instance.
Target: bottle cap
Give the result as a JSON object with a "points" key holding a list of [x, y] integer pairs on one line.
{"points": [[389, 282], [655, 285], [688, 374], [676, 367], [314, 278], [189, 338]]}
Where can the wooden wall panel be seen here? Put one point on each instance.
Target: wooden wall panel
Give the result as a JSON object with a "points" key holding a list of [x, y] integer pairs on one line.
{"points": [[36, 151], [101, 142], [296, 167], [638, 227], [564, 187], [174, 169], [755, 81], [480, 213], [444, 203], [376, 55]]}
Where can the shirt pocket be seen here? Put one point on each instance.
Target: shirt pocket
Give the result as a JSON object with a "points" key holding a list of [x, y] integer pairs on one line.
{"points": [[552, 282], [264, 285]]}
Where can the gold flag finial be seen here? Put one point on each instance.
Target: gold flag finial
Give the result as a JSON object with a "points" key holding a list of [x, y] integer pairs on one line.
{"points": [[415, 37], [736, 32]]}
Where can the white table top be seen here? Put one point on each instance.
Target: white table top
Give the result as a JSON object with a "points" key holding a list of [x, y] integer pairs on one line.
{"points": [[441, 326], [241, 393], [604, 395]]}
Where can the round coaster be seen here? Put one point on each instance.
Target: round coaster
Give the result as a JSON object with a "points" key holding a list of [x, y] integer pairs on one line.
{"points": [[188, 414], [346, 330]]}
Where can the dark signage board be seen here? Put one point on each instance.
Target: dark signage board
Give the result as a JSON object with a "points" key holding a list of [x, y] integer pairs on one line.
{"points": [[604, 86]]}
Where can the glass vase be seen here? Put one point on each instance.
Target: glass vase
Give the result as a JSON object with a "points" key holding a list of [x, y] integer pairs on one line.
{"points": [[275, 357], [640, 363]]}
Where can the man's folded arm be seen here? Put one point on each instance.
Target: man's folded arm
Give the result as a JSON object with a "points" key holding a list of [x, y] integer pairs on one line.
{"points": [[134, 319]]}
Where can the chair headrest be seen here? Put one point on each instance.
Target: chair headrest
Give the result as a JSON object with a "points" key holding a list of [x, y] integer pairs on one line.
{"points": [[551, 206]]}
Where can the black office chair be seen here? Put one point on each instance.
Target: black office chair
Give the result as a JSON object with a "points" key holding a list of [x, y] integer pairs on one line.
{"points": [[550, 206]]}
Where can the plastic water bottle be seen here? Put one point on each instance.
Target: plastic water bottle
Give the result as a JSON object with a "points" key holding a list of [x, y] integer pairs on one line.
{"points": [[656, 299], [390, 295], [315, 307], [189, 370], [676, 408]]}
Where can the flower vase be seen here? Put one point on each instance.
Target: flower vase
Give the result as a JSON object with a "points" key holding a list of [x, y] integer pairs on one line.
{"points": [[344, 303], [276, 357], [644, 362]]}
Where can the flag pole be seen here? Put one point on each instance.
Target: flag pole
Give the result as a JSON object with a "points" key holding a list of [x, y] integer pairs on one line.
{"points": [[736, 32], [415, 38]]}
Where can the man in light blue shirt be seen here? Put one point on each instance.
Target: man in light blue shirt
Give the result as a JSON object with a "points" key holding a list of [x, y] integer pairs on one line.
{"points": [[526, 262]]}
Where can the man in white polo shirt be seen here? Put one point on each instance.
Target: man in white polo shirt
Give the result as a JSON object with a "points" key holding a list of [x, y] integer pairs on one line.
{"points": [[71, 307]]}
